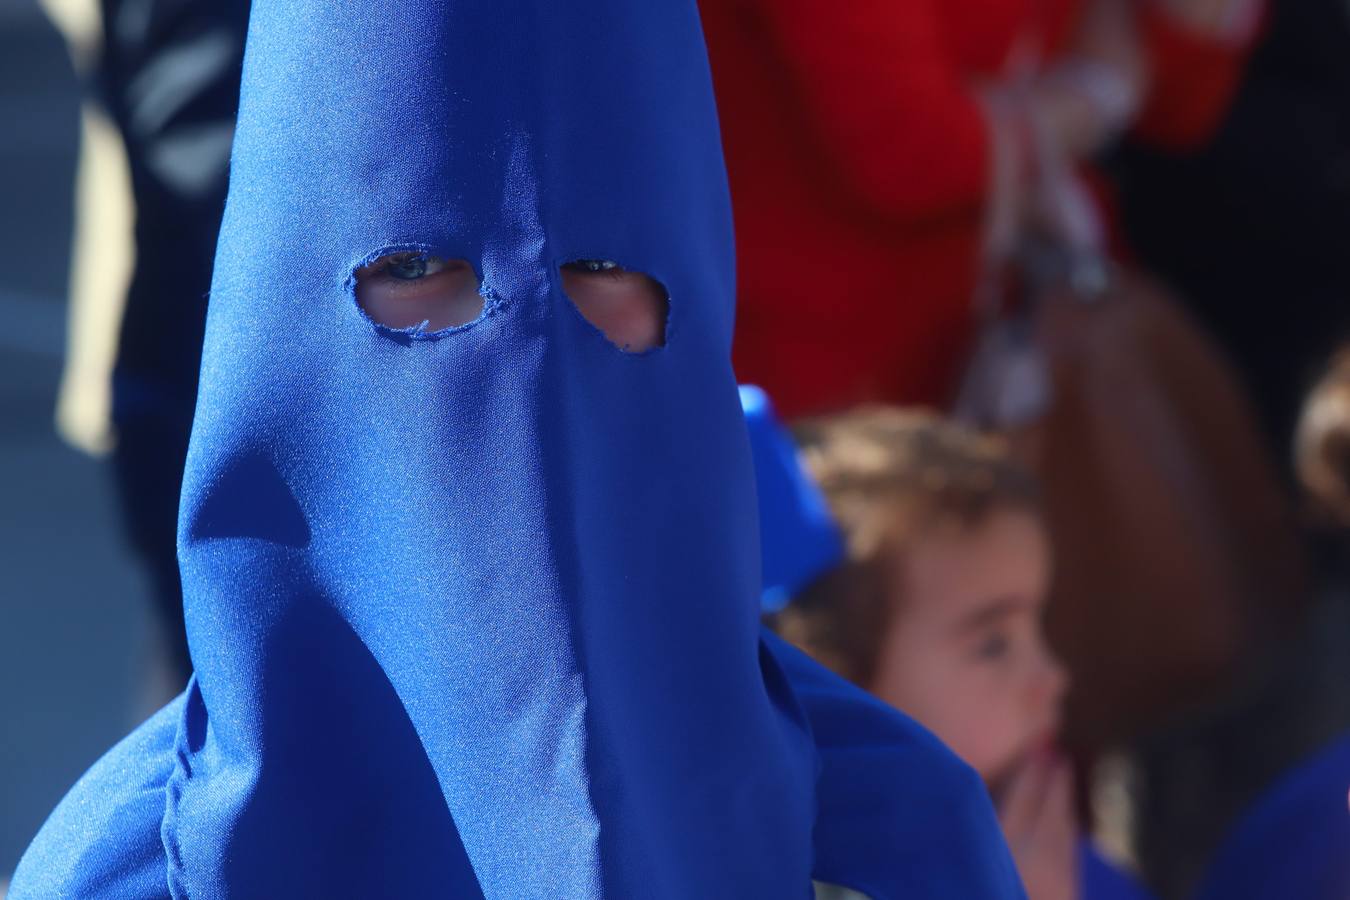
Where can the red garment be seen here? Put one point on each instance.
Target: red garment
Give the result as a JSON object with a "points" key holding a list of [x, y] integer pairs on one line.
{"points": [[858, 162]]}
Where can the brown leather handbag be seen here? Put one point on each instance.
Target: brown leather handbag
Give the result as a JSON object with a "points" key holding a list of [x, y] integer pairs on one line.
{"points": [[1176, 549]]}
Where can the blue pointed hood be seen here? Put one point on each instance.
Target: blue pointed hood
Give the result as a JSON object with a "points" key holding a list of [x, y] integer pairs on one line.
{"points": [[476, 610]]}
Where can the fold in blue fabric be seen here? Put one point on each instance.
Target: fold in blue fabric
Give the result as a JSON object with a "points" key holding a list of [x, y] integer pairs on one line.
{"points": [[899, 815], [474, 613]]}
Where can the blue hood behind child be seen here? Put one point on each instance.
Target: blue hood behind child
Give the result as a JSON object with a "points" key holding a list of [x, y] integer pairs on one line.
{"points": [[472, 612]]}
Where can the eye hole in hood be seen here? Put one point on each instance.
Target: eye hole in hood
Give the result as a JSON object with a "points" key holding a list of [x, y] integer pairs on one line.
{"points": [[419, 291], [629, 308]]}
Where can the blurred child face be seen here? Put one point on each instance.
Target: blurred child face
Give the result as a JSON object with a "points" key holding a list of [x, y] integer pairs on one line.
{"points": [[964, 651]]}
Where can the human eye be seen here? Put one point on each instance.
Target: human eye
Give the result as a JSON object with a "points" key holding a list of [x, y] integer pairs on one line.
{"points": [[410, 266], [418, 290], [595, 267], [993, 647]]}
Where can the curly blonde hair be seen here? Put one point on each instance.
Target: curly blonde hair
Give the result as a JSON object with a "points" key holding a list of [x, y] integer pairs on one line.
{"points": [[1322, 444], [890, 476]]}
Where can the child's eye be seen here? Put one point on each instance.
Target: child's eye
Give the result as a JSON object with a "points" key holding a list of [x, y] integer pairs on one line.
{"points": [[415, 290], [993, 647], [628, 307], [594, 266], [411, 266]]}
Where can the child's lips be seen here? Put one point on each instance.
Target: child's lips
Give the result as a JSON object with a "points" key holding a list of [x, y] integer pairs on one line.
{"points": [[1046, 739], [1042, 749], [1047, 744], [1042, 746]]}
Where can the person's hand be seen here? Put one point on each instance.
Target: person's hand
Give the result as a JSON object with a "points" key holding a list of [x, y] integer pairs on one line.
{"points": [[1062, 210], [1038, 822], [1044, 123], [1093, 92], [1108, 34]]}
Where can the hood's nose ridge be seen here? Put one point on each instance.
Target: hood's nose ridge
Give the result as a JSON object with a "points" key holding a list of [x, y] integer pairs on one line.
{"points": [[229, 508]]}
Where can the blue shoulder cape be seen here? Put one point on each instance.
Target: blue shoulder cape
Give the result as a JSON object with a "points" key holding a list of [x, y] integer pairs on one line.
{"points": [[473, 612]]}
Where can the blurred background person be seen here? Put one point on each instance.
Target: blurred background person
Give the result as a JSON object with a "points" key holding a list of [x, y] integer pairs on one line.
{"points": [[881, 156], [1250, 227], [74, 620], [1262, 779], [933, 601], [166, 72], [160, 84], [923, 217], [1291, 836], [908, 554]]}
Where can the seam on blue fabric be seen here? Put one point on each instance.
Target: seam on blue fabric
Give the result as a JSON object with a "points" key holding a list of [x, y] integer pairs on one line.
{"points": [[175, 870]]}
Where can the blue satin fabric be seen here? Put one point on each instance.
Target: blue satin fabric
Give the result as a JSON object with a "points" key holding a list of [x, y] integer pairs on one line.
{"points": [[899, 815], [474, 613]]}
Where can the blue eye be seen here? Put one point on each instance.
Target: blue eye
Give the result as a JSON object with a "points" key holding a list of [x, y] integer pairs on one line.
{"points": [[993, 647], [407, 268], [594, 265]]}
